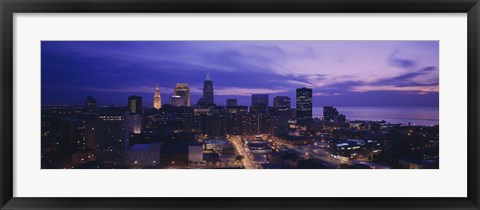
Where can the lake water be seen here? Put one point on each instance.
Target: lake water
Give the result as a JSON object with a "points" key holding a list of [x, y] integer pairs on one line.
{"points": [[413, 115]]}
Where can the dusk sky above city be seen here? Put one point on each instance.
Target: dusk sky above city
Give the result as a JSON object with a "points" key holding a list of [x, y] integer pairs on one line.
{"points": [[341, 73]]}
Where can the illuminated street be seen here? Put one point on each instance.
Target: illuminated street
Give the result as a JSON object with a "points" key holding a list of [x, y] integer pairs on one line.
{"points": [[310, 153], [247, 160]]}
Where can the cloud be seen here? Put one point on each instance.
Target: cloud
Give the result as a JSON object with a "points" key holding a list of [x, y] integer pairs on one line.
{"points": [[269, 66], [326, 94], [424, 76], [321, 94], [403, 63], [300, 83], [235, 91], [412, 89], [409, 75], [400, 61], [429, 68], [301, 61]]}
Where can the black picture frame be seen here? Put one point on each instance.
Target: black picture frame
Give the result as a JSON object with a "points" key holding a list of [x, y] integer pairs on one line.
{"points": [[10, 7]]}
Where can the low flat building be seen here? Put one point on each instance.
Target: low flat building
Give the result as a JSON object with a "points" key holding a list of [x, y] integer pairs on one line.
{"points": [[143, 155], [217, 144], [256, 146], [195, 152], [210, 156]]}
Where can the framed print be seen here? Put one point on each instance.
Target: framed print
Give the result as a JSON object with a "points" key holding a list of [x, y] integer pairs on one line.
{"points": [[239, 105]]}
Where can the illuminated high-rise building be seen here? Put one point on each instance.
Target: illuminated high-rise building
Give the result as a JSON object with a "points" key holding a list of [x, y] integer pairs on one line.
{"points": [[111, 136], [259, 103], [90, 116], [157, 100], [304, 106], [177, 101], [135, 104], [134, 117], [182, 90], [208, 90], [281, 103], [134, 123]]}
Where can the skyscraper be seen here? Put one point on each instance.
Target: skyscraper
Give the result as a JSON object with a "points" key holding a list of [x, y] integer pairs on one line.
{"points": [[208, 90], [259, 103], [111, 136], [182, 90], [280, 116], [157, 100], [134, 123], [90, 106], [90, 116], [177, 101], [304, 106], [134, 117], [281, 103], [135, 104]]}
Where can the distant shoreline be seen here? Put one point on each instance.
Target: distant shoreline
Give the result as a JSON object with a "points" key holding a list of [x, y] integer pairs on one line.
{"points": [[420, 115]]}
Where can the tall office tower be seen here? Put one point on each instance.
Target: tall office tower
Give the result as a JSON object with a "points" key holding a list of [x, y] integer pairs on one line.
{"points": [[135, 104], [90, 116], [178, 101], [134, 117], [231, 102], [304, 106], [330, 113], [281, 115], [259, 103], [281, 103], [134, 123], [157, 100], [111, 136], [208, 90], [182, 90], [90, 106]]}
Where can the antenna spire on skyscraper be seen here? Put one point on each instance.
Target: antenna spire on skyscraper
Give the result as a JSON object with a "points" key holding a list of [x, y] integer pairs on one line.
{"points": [[208, 90]]}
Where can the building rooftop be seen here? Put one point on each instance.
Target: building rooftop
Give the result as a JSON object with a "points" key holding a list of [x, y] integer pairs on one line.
{"points": [[217, 141], [195, 144]]}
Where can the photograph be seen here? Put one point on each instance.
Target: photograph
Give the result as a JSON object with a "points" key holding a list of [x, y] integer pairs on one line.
{"points": [[240, 104]]}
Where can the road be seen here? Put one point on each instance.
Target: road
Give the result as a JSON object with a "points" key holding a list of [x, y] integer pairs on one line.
{"points": [[328, 161], [247, 161], [305, 153]]}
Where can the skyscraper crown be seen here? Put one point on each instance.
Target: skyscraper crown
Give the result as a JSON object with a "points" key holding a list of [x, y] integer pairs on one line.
{"points": [[208, 77]]}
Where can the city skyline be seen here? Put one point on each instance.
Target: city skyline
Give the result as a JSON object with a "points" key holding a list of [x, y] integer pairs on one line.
{"points": [[239, 105], [408, 75]]}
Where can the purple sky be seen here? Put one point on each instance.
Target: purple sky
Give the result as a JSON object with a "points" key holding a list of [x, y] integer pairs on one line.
{"points": [[341, 73]]}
